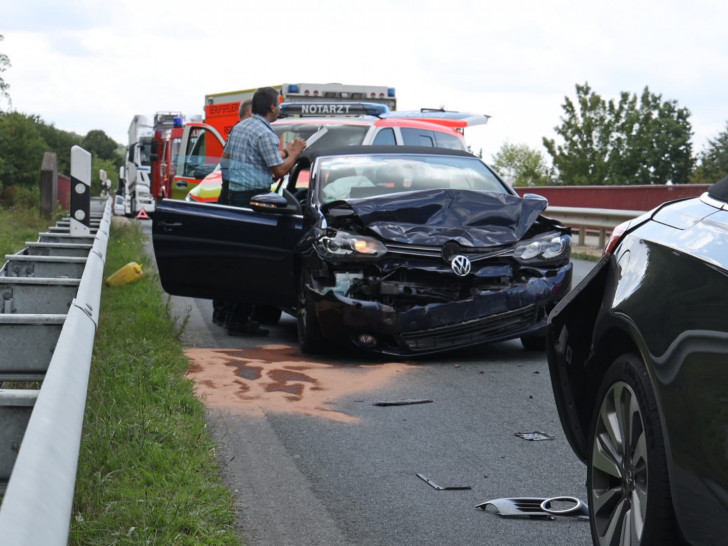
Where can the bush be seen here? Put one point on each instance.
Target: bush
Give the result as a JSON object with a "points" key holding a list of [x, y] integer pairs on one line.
{"points": [[19, 197]]}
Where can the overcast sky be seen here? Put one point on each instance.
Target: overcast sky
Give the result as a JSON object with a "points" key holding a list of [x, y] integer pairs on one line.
{"points": [[85, 64]]}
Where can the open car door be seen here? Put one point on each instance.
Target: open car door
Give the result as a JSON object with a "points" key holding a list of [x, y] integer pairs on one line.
{"points": [[200, 151], [222, 252]]}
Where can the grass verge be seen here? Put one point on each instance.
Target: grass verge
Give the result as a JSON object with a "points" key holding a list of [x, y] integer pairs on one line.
{"points": [[591, 256], [147, 471], [19, 226]]}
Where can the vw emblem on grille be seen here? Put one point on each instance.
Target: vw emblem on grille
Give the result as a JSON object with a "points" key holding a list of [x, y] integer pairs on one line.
{"points": [[460, 265]]}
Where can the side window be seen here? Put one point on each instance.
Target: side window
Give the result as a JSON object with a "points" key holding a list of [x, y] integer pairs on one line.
{"points": [[195, 153], [417, 137], [450, 141], [385, 137]]}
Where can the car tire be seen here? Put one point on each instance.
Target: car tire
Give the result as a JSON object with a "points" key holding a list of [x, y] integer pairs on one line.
{"points": [[627, 482], [534, 343], [266, 314], [309, 333]]}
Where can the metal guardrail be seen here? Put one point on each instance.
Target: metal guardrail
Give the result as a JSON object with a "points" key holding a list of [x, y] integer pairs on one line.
{"points": [[601, 220], [51, 298]]}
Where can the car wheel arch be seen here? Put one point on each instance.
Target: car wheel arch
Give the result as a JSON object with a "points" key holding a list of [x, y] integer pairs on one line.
{"points": [[629, 368], [611, 343]]}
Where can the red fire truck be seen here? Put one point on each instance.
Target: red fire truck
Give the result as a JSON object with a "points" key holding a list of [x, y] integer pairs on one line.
{"points": [[168, 130]]}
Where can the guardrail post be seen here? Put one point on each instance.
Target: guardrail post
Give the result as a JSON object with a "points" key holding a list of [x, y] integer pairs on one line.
{"points": [[80, 191]]}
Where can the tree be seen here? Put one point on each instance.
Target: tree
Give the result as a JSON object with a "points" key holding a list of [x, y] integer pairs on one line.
{"points": [[586, 129], [657, 142], [631, 141], [61, 142], [713, 161], [521, 165], [99, 144], [4, 65], [21, 150]]}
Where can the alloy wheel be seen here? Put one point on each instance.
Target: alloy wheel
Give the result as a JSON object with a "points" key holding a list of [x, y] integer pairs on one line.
{"points": [[619, 465]]}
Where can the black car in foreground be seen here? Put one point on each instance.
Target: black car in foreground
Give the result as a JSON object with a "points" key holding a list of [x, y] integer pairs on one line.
{"points": [[638, 354], [396, 250]]}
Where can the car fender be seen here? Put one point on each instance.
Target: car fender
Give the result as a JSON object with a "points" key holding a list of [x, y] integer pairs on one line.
{"points": [[568, 352]]}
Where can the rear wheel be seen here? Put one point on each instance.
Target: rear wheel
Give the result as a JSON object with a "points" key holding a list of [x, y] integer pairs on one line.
{"points": [[627, 479], [309, 332]]}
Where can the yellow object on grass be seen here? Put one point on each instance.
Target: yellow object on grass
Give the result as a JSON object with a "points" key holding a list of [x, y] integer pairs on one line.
{"points": [[131, 272]]}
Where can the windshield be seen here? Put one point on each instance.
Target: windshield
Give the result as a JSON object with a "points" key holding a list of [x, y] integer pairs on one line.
{"points": [[331, 135], [351, 177]]}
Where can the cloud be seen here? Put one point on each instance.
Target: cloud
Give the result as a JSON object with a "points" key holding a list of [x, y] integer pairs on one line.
{"points": [[86, 65]]}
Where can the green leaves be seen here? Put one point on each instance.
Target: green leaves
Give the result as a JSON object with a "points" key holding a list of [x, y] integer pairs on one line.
{"points": [[633, 140], [24, 138], [21, 149], [713, 161], [521, 165]]}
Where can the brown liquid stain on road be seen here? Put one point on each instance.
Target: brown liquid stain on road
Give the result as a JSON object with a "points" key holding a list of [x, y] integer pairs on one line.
{"points": [[279, 378]]}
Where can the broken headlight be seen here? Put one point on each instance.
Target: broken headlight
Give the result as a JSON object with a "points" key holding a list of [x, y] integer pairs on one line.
{"points": [[349, 245], [545, 250]]}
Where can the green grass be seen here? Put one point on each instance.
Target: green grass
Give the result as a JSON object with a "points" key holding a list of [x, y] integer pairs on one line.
{"points": [[593, 256], [19, 226], [147, 470]]}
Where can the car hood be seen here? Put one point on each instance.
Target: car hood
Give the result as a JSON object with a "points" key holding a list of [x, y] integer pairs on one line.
{"points": [[435, 217]]}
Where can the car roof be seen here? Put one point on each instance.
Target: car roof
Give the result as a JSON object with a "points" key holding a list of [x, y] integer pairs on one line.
{"points": [[314, 154], [368, 120], [359, 120]]}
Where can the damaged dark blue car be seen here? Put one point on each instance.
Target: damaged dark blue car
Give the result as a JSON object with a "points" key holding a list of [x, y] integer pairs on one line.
{"points": [[400, 251]]}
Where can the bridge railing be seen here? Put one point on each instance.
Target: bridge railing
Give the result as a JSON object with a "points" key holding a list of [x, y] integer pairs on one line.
{"points": [[599, 221]]}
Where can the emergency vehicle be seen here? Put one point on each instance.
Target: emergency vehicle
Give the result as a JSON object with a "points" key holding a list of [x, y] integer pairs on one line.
{"points": [[221, 109], [202, 143], [138, 167], [352, 124], [168, 130]]}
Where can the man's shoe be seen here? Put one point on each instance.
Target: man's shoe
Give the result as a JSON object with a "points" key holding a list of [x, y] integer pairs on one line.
{"points": [[249, 328]]}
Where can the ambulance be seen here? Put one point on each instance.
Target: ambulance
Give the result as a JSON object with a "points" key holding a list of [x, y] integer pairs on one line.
{"points": [[202, 143]]}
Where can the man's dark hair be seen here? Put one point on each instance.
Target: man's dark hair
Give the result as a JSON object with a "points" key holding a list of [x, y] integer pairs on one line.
{"points": [[263, 99], [245, 107]]}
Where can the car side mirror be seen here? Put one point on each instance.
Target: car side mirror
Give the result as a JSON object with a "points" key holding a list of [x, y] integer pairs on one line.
{"points": [[272, 202], [534, 197]]}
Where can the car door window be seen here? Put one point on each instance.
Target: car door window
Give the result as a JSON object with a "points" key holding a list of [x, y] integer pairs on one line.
{"points": [[385, 137], [450, 141], [417, 137]]}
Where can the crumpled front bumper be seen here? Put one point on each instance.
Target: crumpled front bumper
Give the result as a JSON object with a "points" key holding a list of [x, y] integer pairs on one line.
{"points": [[491, 316]]}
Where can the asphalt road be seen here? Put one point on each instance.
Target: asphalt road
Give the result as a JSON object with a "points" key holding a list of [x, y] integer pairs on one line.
{"points": [[313, 458]]}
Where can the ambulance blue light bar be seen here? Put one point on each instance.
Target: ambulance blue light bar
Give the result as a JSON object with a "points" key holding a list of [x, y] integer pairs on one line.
{"points": [[304, 109]]}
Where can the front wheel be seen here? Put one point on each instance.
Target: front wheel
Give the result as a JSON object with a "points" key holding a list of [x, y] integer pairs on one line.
{"points": [[627, 480]]}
